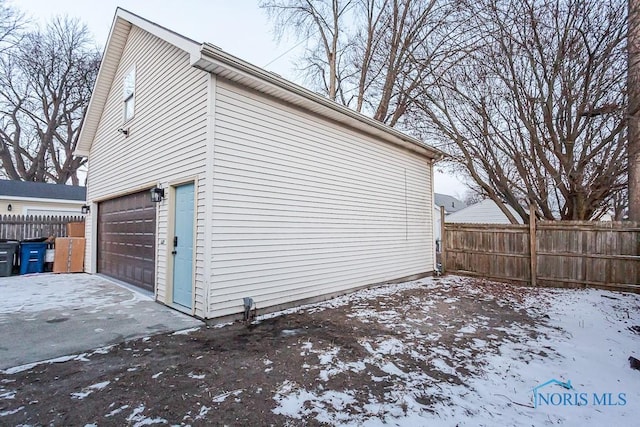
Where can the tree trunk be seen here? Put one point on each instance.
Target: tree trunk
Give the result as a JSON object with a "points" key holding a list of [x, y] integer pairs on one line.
{"points": [[633, 113]]}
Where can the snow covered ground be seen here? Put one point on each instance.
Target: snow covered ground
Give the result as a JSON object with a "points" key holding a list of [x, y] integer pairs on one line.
{"points": [[489, 372], [447, 351]]}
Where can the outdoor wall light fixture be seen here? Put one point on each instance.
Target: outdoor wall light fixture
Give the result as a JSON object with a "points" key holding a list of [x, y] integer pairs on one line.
{"points": [[123, 131], [157, 194], [85, 209], [9, 207]]}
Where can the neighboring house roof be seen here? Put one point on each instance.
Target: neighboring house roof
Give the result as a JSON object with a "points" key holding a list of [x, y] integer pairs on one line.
{"points": [[41, 190], [450, 203], [484, 212], [213, 59]]}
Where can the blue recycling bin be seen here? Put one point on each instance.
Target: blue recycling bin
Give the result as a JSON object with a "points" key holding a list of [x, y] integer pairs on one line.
{"points": [[32, 257]]}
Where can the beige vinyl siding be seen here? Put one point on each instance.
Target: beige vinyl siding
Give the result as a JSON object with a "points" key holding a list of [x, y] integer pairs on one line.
{"points": [[166, 144], [39, 207], [304, 207]]}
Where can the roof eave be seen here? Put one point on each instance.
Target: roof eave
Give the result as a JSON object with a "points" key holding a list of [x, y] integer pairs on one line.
{"points": [[215, 60], [122, 23]]}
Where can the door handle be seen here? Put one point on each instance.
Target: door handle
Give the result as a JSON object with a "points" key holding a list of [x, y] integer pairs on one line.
{"points": [[175, 245]]}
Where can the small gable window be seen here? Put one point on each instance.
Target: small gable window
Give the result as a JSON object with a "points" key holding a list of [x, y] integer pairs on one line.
{"points": [[129, 87]]}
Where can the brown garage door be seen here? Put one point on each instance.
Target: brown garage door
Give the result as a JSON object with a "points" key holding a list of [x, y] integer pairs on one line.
{"points": [[126, 239]]}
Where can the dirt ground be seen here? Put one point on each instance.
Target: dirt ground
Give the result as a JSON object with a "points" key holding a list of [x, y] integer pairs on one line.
{"points": [[249, 375]]}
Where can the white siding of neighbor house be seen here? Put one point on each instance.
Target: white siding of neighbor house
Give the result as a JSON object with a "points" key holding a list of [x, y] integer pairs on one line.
{"points": [[303, 207], [167, 142], [39, 207], [484, 212]]}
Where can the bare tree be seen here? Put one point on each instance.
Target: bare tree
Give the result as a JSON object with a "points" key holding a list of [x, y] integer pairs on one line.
{"points": [[472, 197], [45, 86], [322, 20], [634, 109], [535, 112], [372, 55], [12, 23]]}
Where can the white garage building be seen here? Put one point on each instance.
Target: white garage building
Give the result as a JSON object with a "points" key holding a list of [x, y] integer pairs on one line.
{"points": [[264, 189]]}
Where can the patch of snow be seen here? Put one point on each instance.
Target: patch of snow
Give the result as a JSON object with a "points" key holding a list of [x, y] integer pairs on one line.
{"points": [[80, 394], [223, 396], [441, 351], [186, 331], [196, 376], [136, 412], [478, 343], [442, 366], [8, 395], [306, 348], [11, 411], [468, 329], [88, 390], [220, 325], [17, 369], [103, 350], [391, 369], [326, 357], [155, 376], [325, 407], [140, 420], [100, 386], [340, 367], [204, 410], [116, 411]]}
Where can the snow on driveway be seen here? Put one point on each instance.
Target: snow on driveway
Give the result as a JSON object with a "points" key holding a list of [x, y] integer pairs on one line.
{"points": [[46, 316], [480, 370], [40, 292]]}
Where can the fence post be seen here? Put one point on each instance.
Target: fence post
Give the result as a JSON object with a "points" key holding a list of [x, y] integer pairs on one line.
{"points": [[533, 244], [443, 255]]}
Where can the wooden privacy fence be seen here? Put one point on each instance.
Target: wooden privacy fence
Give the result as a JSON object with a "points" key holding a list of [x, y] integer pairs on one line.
{"points": [[20, 227], [562, 253]]}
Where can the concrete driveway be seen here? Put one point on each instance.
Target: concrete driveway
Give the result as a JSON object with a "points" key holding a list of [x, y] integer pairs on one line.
{"points": [[45, 316]]}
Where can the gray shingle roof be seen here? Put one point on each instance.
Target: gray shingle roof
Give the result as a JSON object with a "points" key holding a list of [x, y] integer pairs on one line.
{"points": [[41, 190], [450, 203]]}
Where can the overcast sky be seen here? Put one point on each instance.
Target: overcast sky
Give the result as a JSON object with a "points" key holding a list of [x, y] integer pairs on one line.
{"points": [[238, 26]]}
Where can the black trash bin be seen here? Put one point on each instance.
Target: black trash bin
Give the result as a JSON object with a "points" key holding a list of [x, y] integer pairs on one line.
{"points": [[8, 250]]}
